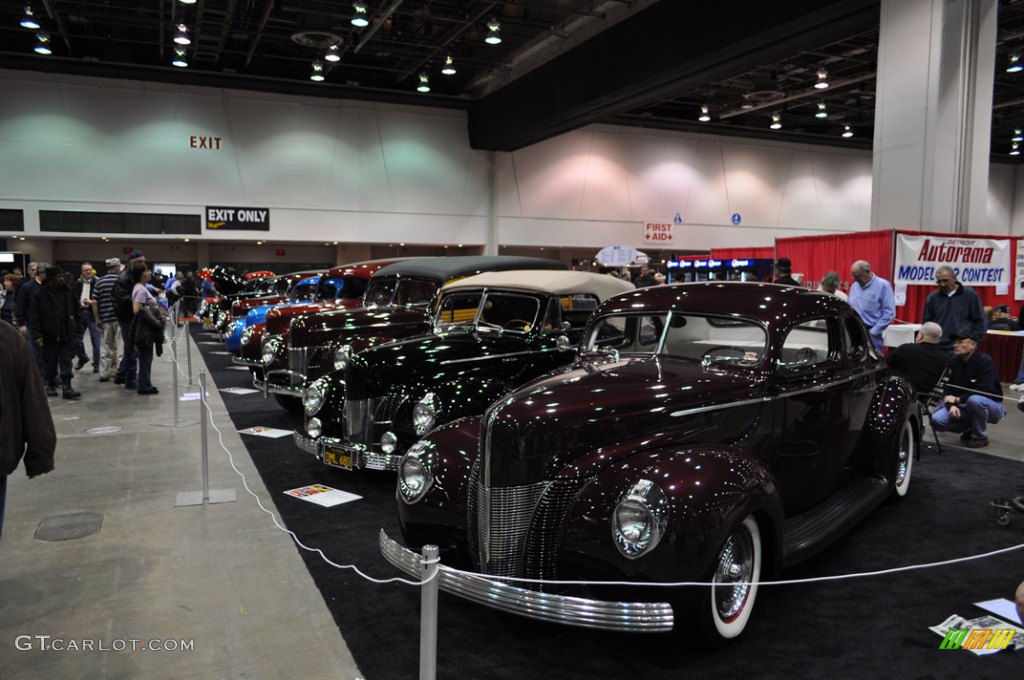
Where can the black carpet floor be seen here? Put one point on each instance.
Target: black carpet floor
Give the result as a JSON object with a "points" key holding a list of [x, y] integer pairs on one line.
{"points": [[863, 628]]}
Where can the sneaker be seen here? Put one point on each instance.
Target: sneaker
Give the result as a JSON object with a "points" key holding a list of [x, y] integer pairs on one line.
{"points": [[51, 391], [976, 443], [71, 393], [150, 390], [81, 362], [1018, 387]]}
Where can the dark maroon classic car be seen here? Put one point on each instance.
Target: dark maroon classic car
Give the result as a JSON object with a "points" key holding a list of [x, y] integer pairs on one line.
{"points": [[713, 432]]}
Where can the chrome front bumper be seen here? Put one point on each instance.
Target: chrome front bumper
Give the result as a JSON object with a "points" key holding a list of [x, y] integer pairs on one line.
{"points": [[289, 390], [633, 617], [308, 444], [242, 361], [361, 458]]}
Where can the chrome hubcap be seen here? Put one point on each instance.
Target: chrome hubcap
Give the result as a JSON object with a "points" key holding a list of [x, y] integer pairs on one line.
{"points": [[733, 575], [903, 459]]}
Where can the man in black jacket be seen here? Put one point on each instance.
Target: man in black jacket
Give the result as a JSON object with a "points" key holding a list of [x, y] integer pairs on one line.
{"points": [[54, 320], [26, 427], [973, 396], [954, 306], [122, 299], [921, 362], [28, 290]]}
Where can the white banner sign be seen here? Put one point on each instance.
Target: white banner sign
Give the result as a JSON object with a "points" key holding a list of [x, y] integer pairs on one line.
{"points": [[976, 261], [1018, 282], [658, 233]]}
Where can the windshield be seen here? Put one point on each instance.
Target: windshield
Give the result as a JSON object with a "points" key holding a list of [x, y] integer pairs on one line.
{"points": [[500, 311], [302, 291], [336, 288], [688, 336], [400, 292]]}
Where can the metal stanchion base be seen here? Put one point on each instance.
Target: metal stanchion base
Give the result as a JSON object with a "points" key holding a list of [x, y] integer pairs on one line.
{"points": [[180, 423], [196, 497]]}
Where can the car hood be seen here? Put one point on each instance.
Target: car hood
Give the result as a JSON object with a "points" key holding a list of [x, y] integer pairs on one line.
{"points": [[342, 325], [595, 405], [280, 318]]}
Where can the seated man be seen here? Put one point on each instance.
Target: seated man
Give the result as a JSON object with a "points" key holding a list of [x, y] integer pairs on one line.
{"points": [[973, 396], [922, 362]]}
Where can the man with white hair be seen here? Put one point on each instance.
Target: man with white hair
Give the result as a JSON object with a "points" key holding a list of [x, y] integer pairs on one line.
{"points": [[831, 283], [922, 362], [873, 299]]}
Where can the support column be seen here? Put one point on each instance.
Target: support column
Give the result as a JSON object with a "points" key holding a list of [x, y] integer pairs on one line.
{"points": [[933, 114], [491, 218], [202, 254]]}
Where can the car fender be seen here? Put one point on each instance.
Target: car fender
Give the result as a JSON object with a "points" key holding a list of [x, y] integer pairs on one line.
{"points": [[710, 488], [892, 404], [467, 396]]}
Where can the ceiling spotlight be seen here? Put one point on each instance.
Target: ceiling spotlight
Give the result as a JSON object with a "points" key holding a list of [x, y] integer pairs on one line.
{"points": [[493, 32], [179, 58], [360, 19], [29, 21], [318, 72], [822, 112], [43, 46], [1015, 149], [847, 132], [449, 66], [1015, 65], [187, 2], [1017, 135], [332, 54], [822, 79], [182, 35], [776, 122], [424, 85], [704, 116]]}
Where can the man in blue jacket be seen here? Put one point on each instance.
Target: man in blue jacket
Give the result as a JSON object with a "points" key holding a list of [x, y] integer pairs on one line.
{"points": [[873, 299], [954, 306]]}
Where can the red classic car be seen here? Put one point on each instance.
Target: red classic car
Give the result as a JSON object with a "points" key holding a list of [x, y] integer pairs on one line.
{"points": [[715, 432]]}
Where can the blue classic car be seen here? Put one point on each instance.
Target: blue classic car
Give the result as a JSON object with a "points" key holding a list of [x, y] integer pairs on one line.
{"points": [[306, 290]]}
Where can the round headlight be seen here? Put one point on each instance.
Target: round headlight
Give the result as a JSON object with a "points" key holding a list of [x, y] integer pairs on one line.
{"points": [[313, 397], [341, 357], [424, 413], [247, 334], [387, 442], [640, 518], [414, 475], [314, 427], [270, 351]]}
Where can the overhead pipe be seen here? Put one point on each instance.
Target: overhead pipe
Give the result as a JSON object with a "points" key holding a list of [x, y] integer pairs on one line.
{"points": [[448, 38], [259, 30], [376, 25]]}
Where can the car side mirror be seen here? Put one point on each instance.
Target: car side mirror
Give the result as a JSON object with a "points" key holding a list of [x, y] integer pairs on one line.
{"points": [[562, 343]]}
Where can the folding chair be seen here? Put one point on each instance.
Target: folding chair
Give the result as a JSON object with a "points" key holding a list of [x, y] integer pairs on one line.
{"points": [[926, 403]]}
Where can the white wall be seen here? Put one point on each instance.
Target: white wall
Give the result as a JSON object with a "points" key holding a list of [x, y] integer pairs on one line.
{"points": [[358, 172]]}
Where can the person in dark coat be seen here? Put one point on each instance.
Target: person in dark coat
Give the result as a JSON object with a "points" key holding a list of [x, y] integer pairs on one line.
{"points": [[922, 362], [23, 302], [645, 279], [55, 327], [954, 306], [8, 296], [26, 426], [783, 272]]}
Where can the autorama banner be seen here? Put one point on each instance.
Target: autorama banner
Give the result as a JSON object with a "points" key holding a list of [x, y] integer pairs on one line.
{"points": [[976, 261]]}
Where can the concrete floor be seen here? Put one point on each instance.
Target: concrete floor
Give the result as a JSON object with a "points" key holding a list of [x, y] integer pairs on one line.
{"points": [[220, 576]]}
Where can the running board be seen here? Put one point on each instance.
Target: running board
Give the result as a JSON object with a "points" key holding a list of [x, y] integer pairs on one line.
{"points": [[810, 532]]}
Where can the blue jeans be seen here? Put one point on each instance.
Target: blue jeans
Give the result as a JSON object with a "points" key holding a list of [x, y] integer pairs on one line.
{"points": [[145, 354], [975, 415], [94, 333], [127, 368], [1020, 372]]}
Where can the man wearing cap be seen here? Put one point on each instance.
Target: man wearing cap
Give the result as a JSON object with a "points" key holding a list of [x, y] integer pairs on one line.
{"points": [[108, 319], [873, 299], [973, 398], [1000, 320], [954, 306], [85, 292], [783, 269], [53, 317]]}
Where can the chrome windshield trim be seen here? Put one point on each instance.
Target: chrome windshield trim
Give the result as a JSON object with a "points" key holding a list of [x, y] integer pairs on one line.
{"points": [[634, 617]]}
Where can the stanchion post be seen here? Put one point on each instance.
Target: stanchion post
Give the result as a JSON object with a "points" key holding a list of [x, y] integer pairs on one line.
{"points": [[174, 377], [188, 353], [202, 429], [205, 496], [428, 613]]}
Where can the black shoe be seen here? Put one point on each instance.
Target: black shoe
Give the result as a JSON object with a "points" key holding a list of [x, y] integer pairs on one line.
{"points": [[151, 390], [81, 362], [71, 393], [130, 385], [95, 368], [965, 436], [104, 378], [51, 391], [973, 443], [119, 380]]}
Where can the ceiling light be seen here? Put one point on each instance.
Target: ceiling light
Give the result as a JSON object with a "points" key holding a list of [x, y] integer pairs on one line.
{"points": [[187, 2], [29, 21], [43, 46], [179, 58], [776, 122], [186, 240], [360, 19], [493, 32], [704, 117], [847, 132], [424, 85], [1017, 135], [822, 112], [1015, 149], [318, 72], [332, 54], [822, 79], [182, 36], [1015, 65], [449, 66]]}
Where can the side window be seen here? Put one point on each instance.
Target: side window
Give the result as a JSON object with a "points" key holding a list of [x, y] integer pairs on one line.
{"points": [[856, 340], [808, 344], [552, 317], [413, 292]]}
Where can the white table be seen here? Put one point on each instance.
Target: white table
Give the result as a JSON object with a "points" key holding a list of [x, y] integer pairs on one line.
{"points": [[900, 334]]}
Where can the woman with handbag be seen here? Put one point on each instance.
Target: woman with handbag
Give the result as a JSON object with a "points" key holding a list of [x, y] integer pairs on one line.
{"points": [[147, 329]]}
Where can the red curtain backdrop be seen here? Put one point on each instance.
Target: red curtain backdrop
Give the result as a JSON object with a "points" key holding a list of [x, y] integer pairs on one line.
{"points": [[916, 295], [815, 256], [760, 253]]}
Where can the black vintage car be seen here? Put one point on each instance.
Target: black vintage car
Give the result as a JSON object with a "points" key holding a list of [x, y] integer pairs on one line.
{"points": [[713, 432], [398, 304], [492, 332]]}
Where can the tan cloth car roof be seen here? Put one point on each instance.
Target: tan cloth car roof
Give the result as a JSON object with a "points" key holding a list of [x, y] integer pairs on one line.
{"points": [[552, 282]]}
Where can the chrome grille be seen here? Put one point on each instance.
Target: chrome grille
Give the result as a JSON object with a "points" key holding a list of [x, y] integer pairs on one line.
{"points": [[359, 420], [499, 522], [297, 362], [543, 542]]}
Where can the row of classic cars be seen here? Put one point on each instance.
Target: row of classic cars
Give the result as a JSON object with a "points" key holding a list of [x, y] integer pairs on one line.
{"points": [[571, 443]]}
